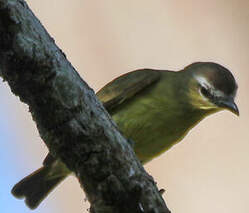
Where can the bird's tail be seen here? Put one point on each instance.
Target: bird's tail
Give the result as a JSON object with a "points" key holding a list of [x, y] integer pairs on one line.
{"points": [[36, 186]]}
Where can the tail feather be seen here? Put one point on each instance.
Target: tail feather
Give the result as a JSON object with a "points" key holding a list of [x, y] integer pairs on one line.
{"points": [[35, 187]]}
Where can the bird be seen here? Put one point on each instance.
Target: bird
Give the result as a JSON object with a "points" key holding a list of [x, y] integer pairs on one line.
{"points": [[154, 109]]}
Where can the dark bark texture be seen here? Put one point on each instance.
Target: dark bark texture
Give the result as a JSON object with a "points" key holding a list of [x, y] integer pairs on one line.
{"points": [[71, 121]]}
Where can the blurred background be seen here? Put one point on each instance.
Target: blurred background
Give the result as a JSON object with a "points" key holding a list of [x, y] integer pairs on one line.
{"points": [[209, 170]]}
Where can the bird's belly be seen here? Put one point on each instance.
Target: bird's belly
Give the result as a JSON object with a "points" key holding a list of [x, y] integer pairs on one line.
{"points": [[151, 131], [153, 141]]}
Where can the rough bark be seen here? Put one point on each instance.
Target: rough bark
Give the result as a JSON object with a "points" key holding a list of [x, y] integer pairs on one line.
{"points": [[71, 121]]}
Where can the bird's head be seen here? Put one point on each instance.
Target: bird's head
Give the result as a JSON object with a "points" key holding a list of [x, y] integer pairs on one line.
{"points": [[212, 87]]}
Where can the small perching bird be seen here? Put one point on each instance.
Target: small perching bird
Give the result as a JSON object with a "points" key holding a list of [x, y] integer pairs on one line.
{"points": [[153, 108]]}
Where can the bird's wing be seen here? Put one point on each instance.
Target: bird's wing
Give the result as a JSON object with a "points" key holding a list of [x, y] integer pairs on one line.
{"points": [[126, 86]]}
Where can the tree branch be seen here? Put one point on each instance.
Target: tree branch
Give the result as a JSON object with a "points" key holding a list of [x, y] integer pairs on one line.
{"points": [[71, 121]]}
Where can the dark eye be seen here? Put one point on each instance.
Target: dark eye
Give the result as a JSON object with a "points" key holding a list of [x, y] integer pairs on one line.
{"points": [[206, 92]]}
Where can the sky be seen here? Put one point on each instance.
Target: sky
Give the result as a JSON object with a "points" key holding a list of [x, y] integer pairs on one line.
{"points": [[209, 170]]}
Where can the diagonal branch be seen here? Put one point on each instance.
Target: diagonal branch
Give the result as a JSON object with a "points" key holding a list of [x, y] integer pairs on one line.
{"points": [[71, 121]]}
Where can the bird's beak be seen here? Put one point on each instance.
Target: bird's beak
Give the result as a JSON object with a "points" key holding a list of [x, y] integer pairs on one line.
{"points": [[229, 104]]}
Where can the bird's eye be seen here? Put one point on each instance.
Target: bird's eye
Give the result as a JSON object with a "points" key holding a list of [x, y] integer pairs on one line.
{"points": [[206, 92]]}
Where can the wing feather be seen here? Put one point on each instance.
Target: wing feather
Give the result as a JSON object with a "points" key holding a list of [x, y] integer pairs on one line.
{"points": [[126, 86]]}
